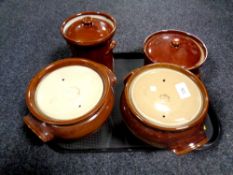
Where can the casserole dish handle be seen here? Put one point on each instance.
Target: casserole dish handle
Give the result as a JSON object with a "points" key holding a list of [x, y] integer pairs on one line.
{"points": [[41, 129], [195, 141]]}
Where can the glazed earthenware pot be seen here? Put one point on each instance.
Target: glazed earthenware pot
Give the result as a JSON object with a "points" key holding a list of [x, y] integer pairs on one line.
{"points": [[165, 106], [69, 99], [176, 47], [89, 35]]}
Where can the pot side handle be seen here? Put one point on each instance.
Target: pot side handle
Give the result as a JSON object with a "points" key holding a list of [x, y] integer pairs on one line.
{"points": [[39, 128], [192, 143], [112, 76], [111, 47], [126, 78]]}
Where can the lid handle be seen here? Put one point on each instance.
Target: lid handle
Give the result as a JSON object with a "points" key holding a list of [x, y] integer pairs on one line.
{"points": [[175, 42], [87, 21]]}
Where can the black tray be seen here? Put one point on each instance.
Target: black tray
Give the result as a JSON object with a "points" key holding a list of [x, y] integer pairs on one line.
{"points": [[114, 135]]}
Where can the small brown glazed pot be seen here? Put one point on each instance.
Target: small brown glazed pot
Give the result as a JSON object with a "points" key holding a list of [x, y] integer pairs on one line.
{"points": [[165, 106], [47, 127], [89, 35], [175, 47]]}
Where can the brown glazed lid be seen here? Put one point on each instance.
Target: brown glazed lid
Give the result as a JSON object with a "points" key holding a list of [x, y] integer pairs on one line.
{"points": [[166, 96], [176, 47], [88, 28]]}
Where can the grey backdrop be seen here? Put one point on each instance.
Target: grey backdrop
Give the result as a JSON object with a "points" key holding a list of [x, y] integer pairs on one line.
{"points": [[30, 39]]}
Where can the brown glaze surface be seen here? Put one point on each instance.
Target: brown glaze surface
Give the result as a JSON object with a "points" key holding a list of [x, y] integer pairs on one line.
{"points": [[176, 47], [179, 140], [101, 53], [49, 128], [88, 31], [89, 35]]}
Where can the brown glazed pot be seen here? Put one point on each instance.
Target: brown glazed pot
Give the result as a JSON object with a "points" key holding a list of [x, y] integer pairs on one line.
{"points": [[89, 35], [49, 128], [176, 47], [179, 139]]}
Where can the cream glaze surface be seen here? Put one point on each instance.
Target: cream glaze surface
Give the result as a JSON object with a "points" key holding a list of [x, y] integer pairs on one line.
{"points": [[165, 97], [69, 92]]}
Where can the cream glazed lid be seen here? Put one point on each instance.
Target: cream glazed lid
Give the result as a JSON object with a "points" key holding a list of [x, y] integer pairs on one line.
{"points": [[165, 97], [69, 92]]}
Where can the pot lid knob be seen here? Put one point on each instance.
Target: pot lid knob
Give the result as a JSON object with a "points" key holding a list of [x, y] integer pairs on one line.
{"points": [[87, 21], [175, 42]]}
